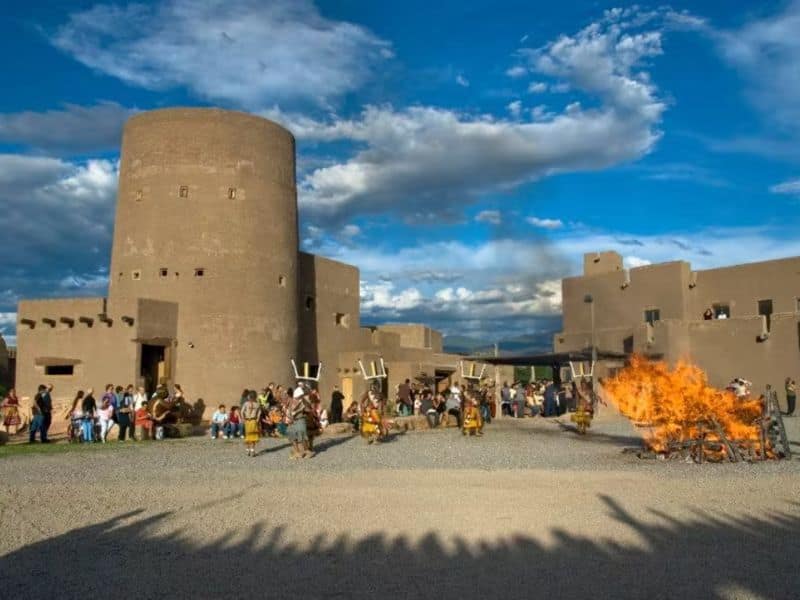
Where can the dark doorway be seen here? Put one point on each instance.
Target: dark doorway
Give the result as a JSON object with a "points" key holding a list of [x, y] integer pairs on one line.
{"points": [[151, 366], [765, 310]]}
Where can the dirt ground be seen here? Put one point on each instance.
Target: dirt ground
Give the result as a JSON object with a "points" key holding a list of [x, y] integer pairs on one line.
{"points": [[529, 511]]}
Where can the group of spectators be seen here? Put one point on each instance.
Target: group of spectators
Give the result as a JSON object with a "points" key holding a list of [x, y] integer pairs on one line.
{"points": [[273, 406], [742, 389], [543, 398]]}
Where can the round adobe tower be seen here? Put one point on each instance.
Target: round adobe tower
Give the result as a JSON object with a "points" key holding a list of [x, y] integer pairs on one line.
{"points": [[207, 218]]}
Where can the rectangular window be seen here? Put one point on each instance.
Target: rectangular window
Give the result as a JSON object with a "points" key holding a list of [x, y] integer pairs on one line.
{"points": [[139, 195], [136, 275], [232, 193], [309, 302], [721, 310], [59, 370], [184, 191], [765, 310], [342, 320], [163, 272], [651, 315], [199, 272]]}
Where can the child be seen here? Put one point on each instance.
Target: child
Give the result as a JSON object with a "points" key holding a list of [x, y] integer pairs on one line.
{"points": [[235, 427], [144, 422], [219, 421]]}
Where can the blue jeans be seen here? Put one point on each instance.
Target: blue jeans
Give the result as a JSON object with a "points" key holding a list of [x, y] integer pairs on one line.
{"points": [[486, 413], [87, 428], [37, 424], [232, 429], [217, 428]]}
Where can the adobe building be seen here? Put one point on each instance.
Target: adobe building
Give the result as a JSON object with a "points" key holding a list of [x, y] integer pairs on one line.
{"points": [[207, 287], [659, 309]]}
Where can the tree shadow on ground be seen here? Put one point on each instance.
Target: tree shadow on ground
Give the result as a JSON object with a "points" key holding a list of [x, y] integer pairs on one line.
{"points": [[703, 556]]}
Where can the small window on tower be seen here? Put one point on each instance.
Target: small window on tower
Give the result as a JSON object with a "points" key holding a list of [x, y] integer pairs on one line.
{"points": [[309, 302], [199, 272], [184, 193], [139, 195], [232, 193], [137, 274], [342, 320], [163, 272], [282, 280]]}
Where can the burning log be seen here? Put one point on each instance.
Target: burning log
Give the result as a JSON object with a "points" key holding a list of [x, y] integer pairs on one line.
{"points": [[688, 418]]}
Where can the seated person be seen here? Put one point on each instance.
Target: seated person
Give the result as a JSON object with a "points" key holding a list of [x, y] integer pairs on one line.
{"points": [[143, 421], [428, 409], [352, 415], [218, 422], [235, 427]]}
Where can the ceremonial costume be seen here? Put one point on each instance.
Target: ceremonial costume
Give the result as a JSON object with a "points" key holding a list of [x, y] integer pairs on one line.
{"points": [[473, 422], [252, 431]]}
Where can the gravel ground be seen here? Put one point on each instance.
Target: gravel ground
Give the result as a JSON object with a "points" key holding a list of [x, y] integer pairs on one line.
{"points": [[530, 510]]}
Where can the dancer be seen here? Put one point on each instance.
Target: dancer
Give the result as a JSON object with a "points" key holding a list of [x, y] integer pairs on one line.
{"points": [[373, 428], [297, 426], [252, 429], [473, 422]]}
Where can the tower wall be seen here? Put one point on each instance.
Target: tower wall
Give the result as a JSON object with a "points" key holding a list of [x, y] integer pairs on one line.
{"points": [[207, 218]]}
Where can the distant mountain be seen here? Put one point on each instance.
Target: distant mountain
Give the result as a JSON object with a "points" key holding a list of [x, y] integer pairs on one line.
{"points": [[524, 344]]}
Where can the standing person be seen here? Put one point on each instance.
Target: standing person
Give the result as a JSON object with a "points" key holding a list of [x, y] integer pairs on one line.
{"points": [[550, 393], [505, 399], [139, 398], [405, 398], [428, 409], [337, 400], [251, 412], [106, 417], [125, 416], [88, 408], [37, 420], [297, 426], [791, 396], [519, 401], [47, 412], [10, 406], [75, 418]]}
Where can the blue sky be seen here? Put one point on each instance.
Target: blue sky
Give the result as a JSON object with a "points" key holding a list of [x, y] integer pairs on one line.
{"points": [[463, 155]]}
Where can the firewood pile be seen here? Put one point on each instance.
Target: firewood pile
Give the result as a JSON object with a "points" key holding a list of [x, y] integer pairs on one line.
{"points": [[711, 444]]}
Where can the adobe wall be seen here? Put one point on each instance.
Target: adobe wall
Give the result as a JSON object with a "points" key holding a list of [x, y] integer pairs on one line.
{"points": [[100, 354], [742, 286], [618, 304], [212, 190]]}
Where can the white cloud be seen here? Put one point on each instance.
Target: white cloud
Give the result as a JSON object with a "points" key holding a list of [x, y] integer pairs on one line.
{"points": [[516, 72], [246, 52], [537, 87], [462, 81], [351, 230], [767, 52], [631, 262], [61, 216], [438, 161], [791, 187], [514, 109], [492, 217], [72, 129], [545, 223]]}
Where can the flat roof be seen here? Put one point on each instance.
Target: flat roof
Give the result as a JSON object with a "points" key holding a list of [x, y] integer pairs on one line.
{"points": [[549, 359]]}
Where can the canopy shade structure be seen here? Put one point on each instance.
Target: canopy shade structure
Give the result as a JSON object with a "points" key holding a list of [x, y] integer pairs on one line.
{"points": [[550, 359]]}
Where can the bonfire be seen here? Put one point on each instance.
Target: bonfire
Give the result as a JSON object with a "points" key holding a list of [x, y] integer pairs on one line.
{"points": [[682, 415]]}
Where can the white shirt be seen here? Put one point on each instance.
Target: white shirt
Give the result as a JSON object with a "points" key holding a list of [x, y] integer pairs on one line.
{"points": [[138, 400]]}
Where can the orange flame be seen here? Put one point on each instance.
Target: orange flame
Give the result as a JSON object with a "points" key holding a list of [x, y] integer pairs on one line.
{"points": [[680, 406]]}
